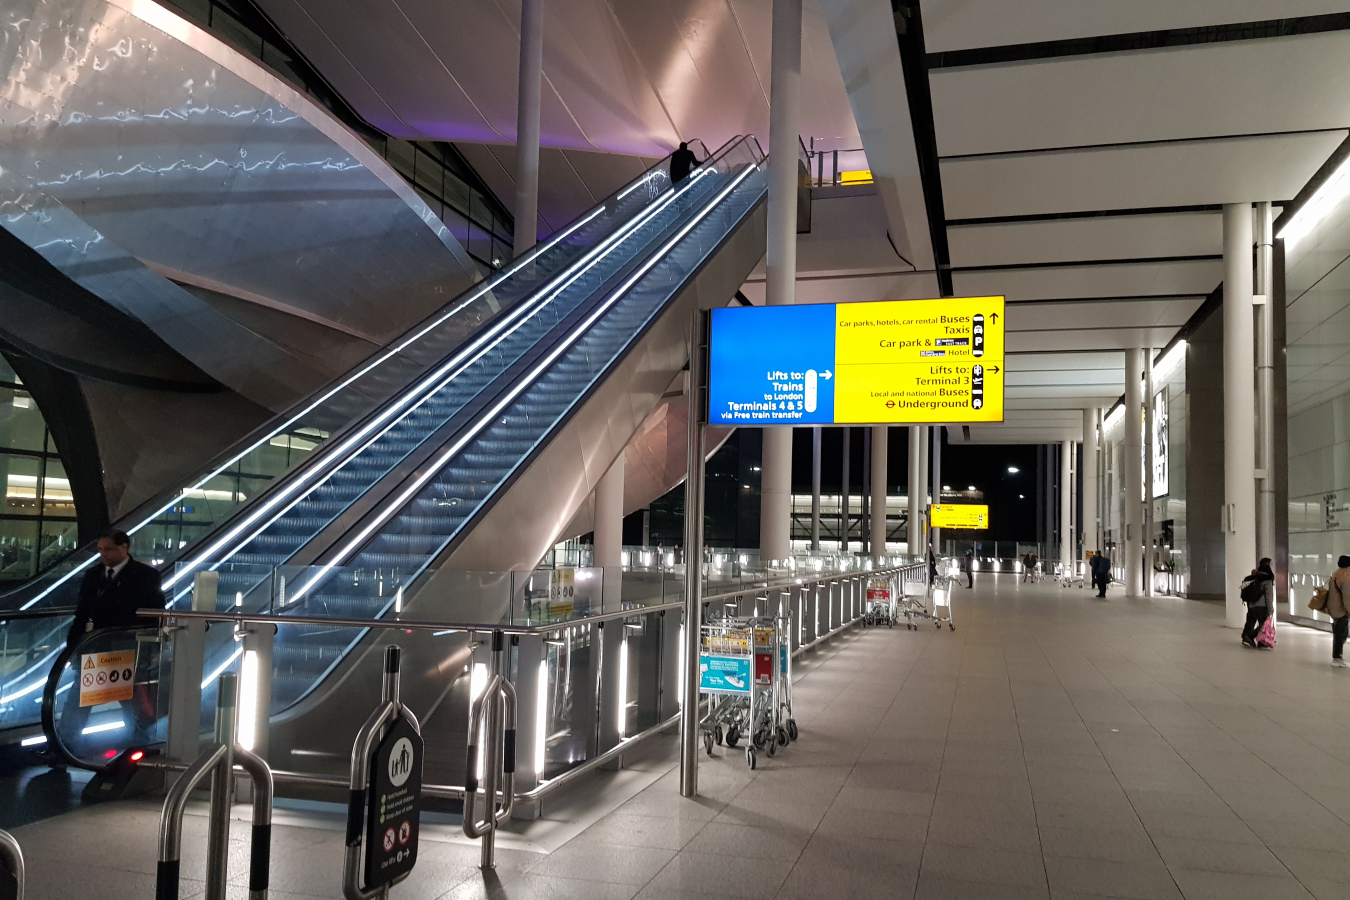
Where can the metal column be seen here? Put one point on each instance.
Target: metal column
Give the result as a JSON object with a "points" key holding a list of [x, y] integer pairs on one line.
{"points": [[781, 258], [1089, 524], [1150, 454], [936, 533], [880, 449], [527, 124], [844, 481], [693, 563], [1265, 384], [1065, 505], [1239, 437], [914, 488], [1133, 482], [815, 489]]}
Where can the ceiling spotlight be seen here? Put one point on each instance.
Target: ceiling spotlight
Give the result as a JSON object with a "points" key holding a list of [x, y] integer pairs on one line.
{"points": [[946, 487], [971, 488], [1021, 496], [1013, 470]]}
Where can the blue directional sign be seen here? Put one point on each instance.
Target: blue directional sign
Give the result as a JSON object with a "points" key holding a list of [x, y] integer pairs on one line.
{"points": [[770, 365]]}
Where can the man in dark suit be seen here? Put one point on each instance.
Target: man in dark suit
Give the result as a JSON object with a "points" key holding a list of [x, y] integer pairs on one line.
{"points": [[111, 592], [110, 595]]}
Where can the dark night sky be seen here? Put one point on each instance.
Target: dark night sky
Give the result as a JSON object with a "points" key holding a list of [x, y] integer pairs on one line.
{"points": [[1011, 497]]}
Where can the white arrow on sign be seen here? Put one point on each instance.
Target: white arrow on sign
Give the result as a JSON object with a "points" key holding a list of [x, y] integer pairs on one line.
{"points": [[827, 374]]}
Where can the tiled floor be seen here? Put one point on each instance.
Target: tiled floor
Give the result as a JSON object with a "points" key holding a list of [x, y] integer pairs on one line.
{"points": [[1054, 746]]}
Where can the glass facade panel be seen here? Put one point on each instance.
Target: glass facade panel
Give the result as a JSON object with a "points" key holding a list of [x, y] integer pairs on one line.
{"points": [[21, 426], [18, 548], [37, 510], [21, 474]]}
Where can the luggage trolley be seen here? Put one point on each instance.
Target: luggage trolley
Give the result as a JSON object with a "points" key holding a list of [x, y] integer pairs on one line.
{"points": [[881, 602], [915, 608], [749, 695]]}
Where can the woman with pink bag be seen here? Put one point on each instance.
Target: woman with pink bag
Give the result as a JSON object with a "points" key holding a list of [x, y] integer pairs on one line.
{"points": [[1258, 592]]}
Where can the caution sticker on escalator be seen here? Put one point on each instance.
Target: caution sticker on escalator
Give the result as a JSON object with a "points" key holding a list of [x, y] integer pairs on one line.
{"points": [[107, 677]]}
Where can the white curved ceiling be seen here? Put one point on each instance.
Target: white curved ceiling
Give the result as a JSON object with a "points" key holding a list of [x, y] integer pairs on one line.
{"points": [[631, 77]]}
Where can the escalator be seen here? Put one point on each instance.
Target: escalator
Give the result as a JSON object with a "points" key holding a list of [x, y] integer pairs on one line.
{"points": [[355, 504]]}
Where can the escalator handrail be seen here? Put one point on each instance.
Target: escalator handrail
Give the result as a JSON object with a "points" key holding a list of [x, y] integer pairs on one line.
{"points": [[147, 512]]}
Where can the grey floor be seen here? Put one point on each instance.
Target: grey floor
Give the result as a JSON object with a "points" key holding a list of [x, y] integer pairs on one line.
{"points": [[1053, 746]]}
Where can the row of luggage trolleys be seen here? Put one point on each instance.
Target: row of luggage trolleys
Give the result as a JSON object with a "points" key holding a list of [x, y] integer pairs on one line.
{"points": [[745, 670], [888, 601]]}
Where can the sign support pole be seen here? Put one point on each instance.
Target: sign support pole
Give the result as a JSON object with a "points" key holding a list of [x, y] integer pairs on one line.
{"points": [[693, 556]]}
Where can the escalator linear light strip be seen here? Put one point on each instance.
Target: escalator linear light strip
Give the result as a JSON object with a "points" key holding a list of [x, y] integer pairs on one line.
{"points": [[223, 666], [400, 410], [25, 691], [378, 361], [407, 494]]}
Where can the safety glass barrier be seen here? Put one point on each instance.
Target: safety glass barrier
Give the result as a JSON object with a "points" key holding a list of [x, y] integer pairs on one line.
{"points": [[29, 645], [107, 695], [173, 523], [589, 679]]}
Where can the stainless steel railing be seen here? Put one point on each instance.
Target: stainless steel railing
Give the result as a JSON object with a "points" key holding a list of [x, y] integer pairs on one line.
{"points": [[218, 763]]}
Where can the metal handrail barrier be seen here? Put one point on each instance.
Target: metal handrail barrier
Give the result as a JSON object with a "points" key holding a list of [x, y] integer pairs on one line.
{"points": [[493, 711], [13, 855], [549, 786], [218, 762], [390, 710], [242, 618]]}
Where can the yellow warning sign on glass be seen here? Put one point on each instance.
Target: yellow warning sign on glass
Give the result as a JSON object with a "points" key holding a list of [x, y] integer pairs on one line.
{"points": [[107, 677], [958, 515]]}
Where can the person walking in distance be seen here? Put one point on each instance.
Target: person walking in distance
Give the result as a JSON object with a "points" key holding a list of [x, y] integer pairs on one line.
{"points": [[968, 566], [110, 594], [1258, 592], [682, 162], [1338, 607]]}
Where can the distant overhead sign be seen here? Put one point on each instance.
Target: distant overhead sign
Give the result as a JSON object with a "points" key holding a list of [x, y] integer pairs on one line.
{"points": [[889, 362], [958, 515]]}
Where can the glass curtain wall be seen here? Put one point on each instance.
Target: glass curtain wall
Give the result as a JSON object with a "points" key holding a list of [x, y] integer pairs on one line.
{"points": [[37, 513], [1317, 310], [437, 171]]}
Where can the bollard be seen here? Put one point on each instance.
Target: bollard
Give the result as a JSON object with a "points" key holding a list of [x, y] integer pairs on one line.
{"points": [[390, 714], [218, 762], [10, 850], [497, 704]]}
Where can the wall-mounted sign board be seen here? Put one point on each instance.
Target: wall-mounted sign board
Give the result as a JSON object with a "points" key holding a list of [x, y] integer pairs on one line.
{"points": [[888, 362], [958, 515]]}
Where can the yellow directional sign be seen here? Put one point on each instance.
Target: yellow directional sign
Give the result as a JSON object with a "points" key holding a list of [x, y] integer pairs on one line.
{"points": [[958, 515], [891, 361], [919, 361]]}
